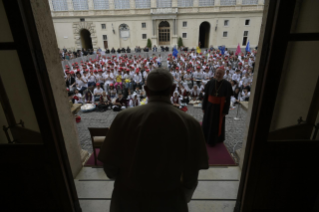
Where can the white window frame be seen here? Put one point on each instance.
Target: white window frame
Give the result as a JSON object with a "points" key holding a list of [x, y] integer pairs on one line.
{"points": [[226, 34], [183, 24], [227, 23], [102, 26], [164, 3], [79, 5], [103, 38], [249, 2], [142, 4], [142, 25], [246, 20], [59, 5], [183, 35], [245, 36], [227, 2], [184, 3], [206, 3], [143, 36], [122, 4], [101, 4]]}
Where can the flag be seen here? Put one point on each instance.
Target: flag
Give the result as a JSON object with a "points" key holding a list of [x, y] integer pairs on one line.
{"points": [[222, 49], [238, 50], [248, 47], [198, 50], [175, 52]]}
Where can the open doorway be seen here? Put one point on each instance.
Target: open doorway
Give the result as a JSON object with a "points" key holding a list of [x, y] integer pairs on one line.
{"points": [[204, 32], [258, 202], [86, 40]]}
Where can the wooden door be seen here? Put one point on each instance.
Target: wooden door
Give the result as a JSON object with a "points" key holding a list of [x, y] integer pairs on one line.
{"points": [[105, 45], [164, 36], [280, 167]]}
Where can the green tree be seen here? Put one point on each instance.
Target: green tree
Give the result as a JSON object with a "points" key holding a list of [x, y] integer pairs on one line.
{"points": [[149, 43], [180, 42]]}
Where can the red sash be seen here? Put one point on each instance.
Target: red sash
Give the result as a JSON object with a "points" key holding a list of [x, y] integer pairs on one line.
{"points": [[218, 101]]}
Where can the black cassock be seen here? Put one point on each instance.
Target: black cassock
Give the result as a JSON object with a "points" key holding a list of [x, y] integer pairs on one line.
{"points": [[215, 103]]}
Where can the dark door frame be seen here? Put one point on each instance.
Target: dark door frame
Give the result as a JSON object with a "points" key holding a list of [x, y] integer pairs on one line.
{"points": [[272, 52], [27, 44]]}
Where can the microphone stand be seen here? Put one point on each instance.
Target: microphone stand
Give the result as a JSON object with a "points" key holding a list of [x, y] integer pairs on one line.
{"points": [[236, 118]]}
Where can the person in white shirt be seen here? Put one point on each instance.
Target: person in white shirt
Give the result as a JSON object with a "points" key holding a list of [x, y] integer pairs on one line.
{"points": [[236, 75], [98, 91], [79, 99], [228, 76], [175, 99], [80, 83], [134, 100], [91, 79], [245, 95], [108, 77], [128, 80], [137, 79]]}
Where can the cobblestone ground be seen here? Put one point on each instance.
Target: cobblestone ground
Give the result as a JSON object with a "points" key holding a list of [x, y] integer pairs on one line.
{"points": [[234, 129]]}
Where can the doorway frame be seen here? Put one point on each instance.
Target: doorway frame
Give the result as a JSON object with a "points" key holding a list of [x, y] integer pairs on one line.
{"points": [[166, 43], [90, 37], [210, 27]]}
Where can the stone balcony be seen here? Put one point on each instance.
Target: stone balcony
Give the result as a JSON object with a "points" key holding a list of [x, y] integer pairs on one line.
{"points": [[155, 11]]}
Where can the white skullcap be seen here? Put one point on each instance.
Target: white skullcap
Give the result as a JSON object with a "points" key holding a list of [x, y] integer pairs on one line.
{"points": [[159, 80]]}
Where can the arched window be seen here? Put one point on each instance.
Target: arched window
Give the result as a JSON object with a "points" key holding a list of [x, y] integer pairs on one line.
{"points": [[164, 24]]}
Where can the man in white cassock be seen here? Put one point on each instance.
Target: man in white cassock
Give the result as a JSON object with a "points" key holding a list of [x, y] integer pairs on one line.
{"points": [[155, 163]]}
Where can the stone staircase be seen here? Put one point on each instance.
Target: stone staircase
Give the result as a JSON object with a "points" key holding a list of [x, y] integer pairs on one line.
{"points": [[216, 191]]}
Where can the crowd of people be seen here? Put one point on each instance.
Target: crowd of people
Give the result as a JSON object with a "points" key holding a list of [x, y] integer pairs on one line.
{"points": [[112, 82]]}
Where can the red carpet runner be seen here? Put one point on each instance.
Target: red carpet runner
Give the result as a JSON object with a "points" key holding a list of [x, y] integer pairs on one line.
{"points": [[218, 156]]}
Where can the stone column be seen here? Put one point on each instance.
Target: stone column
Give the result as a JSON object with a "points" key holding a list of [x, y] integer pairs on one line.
{"points": [[153, 4], [174, 3], [132, 4], [111, 4], [154, 27], [70, 5], [91, 4]]}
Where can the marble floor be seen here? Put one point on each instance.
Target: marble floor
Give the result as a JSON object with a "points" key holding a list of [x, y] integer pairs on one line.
{"points": [[216, 190]]}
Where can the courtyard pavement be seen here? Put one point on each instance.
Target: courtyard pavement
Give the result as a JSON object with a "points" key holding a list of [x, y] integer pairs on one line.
{"points": [[234, 129]]}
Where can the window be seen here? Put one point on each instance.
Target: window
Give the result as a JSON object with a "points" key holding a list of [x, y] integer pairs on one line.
{"points": [[104, 37], [143, 25], [142, 3], [82, 19], [247, 22], [226, 22], [204, 3], [250, 2], [122, 4], [59, 5], [80, 5], [164, 3], [103, 26], [184, 35], [101, 4], [144, 36], [185, 3], [227, 2], [245, 38], [225, 34], [184, 23]]}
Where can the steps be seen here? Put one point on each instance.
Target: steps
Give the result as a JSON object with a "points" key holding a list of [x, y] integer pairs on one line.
{"points": [[216, 190]]}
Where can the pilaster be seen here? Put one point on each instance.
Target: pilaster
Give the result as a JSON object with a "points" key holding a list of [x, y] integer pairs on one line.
{"points": [[217, 2], [195, 3], [132, 4], [174, 3], [239, 2], [70, 5], [91, 4], [153, 4], [111, 4]]}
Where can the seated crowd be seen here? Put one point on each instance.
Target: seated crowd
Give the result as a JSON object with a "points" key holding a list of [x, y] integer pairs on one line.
{"points": [[118, 83]]}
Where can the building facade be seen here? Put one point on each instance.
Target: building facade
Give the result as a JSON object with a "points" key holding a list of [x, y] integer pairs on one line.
{"points": [[129, 23]]}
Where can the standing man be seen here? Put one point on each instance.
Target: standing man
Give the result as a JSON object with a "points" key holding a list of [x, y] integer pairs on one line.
{"points": [[155, 163], [216, 102]]}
